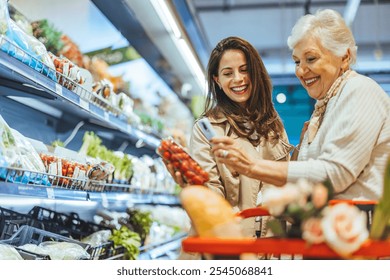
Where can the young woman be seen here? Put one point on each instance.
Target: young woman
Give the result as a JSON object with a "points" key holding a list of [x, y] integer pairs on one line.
{"points": [[239, 106]]}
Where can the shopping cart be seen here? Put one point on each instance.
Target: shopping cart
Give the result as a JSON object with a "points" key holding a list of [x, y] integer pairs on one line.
{"points": [[229, 248]]}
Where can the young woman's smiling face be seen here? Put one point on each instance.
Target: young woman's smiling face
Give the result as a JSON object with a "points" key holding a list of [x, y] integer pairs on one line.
{"points": [[316, 67], [233, 76]]}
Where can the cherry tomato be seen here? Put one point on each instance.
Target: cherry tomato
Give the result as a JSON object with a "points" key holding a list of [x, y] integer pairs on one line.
{"points": [[165, 145], [197, 180], [186, 156], [176, 164], [193, 165], [175, 149], [204, 175], [184, 166], [189, 175], [174, 157], [166, 155]]}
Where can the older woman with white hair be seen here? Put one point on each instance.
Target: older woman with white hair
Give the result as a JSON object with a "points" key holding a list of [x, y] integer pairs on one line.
{"points": [[347, 140]]}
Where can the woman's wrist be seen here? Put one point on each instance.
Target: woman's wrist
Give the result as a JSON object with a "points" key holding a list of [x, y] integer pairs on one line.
{"points": [[269, 171], [251, 172]]}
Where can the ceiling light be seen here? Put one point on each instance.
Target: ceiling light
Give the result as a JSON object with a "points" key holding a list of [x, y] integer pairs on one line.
{"points": [[172, 26], [350, 11], [281, 98], [165, 15]]}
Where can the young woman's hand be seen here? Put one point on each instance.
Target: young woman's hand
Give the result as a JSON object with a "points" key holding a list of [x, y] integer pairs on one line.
{"points": [[177, 176], [232, 155]]}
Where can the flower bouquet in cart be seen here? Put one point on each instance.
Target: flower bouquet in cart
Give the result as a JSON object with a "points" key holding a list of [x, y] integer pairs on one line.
{"points": [[305, 218], [312, 215], [306, 210]]}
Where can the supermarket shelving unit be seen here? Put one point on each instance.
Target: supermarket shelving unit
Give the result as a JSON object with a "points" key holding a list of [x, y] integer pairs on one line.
{"points": [[34, 99]]}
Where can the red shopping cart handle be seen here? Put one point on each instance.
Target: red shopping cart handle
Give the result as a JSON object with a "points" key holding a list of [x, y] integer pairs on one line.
{"points": [[262, 211], [353, 202], [253, 212], [221, 246]]}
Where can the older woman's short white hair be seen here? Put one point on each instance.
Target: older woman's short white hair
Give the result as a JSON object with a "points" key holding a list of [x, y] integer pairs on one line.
{"points": [[329, 28]]}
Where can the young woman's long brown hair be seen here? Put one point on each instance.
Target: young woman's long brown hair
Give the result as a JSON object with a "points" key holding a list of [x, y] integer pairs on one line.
{"points": [[259, 117]]}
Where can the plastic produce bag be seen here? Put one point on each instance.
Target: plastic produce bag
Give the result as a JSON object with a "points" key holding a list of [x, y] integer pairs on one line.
{"points": [[36, 51], [97, 238], [58, 250], [33, 248], [18, 152], [64, 250], [8, 252], [3, 162]]}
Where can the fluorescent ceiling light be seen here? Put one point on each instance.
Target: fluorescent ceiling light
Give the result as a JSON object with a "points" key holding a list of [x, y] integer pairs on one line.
{"points": [[350, 11], [165, 15], [172, 26], [192, 62]]}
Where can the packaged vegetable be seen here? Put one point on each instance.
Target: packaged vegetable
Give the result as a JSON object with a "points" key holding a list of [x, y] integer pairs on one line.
{"points": [[18, 152], [190, 170], [37, 56], [68, 74], [7, 252], [58, 250]]}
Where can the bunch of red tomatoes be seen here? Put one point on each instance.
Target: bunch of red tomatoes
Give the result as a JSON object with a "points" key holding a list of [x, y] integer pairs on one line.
{"points": [[190, 170]]}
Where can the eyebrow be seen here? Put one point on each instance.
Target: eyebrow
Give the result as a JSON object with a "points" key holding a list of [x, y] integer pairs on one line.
{"points": [[226, 68], [305, 53], [230, 68]]}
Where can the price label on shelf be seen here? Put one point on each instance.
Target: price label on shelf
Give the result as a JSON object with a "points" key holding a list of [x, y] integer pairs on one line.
{"points": [[50, 193], [106, 116], [84, 104], [129, 128], [59, 89], [104, 200]]}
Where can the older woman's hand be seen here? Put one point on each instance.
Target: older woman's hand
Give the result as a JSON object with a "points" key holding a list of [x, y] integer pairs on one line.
{"points": [[232, 155]]}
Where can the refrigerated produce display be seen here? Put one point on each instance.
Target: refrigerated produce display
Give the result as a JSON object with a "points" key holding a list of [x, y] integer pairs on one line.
{"points": [[88, 199]]}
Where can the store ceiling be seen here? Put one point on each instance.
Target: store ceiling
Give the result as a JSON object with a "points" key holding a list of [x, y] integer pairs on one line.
{"points": [[98, 24], [267, 24], [264, 23]]}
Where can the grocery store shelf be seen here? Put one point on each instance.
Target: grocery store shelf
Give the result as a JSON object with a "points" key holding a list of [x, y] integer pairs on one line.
{"points": [[114, 196], [18, 79], [41, 192], [115, 201], [166, 248]]}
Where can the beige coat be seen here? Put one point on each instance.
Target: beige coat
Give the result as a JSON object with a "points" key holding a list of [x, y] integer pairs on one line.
{"points": [[241, 192]]}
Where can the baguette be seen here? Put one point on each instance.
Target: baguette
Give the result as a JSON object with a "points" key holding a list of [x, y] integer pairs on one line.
{"points": [[211, 214]]}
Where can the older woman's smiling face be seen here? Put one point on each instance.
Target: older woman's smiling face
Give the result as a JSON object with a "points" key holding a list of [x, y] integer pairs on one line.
{"points": [[316, 67]]}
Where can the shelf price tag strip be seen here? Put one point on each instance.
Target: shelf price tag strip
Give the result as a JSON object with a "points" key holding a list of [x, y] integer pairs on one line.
{"points": [[50, 193], [58, 89], [104, 200], [84, 104], [106, 116]]}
